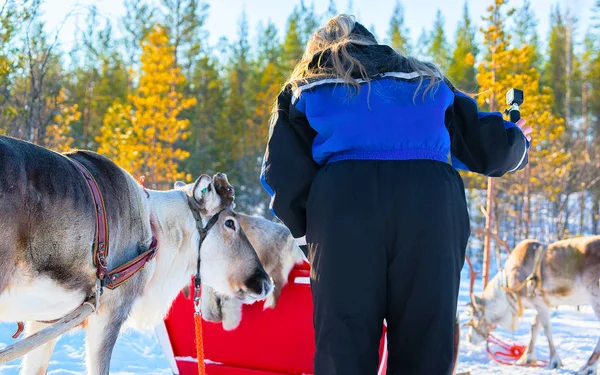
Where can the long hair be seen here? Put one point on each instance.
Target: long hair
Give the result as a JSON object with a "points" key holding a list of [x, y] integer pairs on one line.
{"points": [[336, 36]]}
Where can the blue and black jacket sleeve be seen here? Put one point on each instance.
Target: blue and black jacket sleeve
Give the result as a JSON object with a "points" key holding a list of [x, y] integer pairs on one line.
{"points": [[483, 142], [288, 166]]}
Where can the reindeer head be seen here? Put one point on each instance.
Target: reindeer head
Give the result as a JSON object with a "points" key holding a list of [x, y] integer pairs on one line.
{"points": [[478, 329], [229, 263], [496, 306]]}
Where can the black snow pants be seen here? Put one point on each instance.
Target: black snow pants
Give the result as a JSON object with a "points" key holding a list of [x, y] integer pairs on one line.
{"points": [[386, 240]]}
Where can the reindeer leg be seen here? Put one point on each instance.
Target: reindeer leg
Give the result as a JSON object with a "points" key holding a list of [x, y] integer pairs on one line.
{"points": [[528, 358], [544, 316], [102, 331], [36, 361], [590, 367]]}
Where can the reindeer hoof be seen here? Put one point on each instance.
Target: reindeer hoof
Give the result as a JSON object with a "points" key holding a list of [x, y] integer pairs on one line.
{"points": [[587, 371], [527, 359], [554, 363]]}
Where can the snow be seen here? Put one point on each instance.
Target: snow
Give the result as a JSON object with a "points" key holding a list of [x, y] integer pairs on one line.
{"points": [[575, 335]]}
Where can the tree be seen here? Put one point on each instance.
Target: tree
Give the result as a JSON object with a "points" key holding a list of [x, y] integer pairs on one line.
{"points": [[58, 133], [147, 129], [309, 22], [36, 92], [422, 47], [98, 78], [137, 22], [554, 72], [292, 48], [331, 9], [398, 34], [525, 31], [184, 20], [462, 66], [269, 48], [438, 45], [549, 165]]}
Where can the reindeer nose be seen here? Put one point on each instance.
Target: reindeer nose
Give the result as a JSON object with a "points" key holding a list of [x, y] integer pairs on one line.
{"points": [[259, 283]]}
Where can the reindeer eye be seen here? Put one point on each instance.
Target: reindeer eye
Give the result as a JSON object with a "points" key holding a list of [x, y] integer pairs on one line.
{"points": [[230, 224]]}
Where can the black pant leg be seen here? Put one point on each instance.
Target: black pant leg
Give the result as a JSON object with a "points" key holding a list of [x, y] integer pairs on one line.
{"points": [[348, 268], [424, 269]]}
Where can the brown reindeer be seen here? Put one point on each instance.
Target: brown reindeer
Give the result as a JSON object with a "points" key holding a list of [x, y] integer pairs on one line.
{"points": [[48, 233], [535, 276]]}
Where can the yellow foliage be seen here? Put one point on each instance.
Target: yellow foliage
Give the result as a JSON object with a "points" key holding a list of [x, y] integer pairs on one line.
{"points": [[58, 133], [503, 69], [143, 136]]}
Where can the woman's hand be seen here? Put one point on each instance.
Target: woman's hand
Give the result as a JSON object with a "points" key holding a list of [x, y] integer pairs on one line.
{"points": [[525, 129]]}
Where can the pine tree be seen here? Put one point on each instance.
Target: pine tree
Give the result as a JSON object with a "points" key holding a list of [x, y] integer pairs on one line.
{"points": [[207, 117], [462, 67], [99, 78], [438, 46], [137, 22], [232, 148], [554, 72], [184, 20], [398, 34], [148, 129], [309, 21], [422, 47], [331, 10], [268, 48], [525, 31], [292, 48]]}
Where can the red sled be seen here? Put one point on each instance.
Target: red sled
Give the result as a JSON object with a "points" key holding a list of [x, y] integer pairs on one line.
{"points": [[276, 341]]}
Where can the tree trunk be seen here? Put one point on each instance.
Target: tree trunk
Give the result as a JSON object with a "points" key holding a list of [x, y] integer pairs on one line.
{"points": [[527, 200], [568, 48], [488, 227], [595, 215]]}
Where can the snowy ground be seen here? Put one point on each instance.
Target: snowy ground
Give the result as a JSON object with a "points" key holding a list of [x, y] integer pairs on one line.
{"points": [[575, 335]]}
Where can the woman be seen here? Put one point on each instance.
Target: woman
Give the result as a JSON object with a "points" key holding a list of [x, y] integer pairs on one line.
{"points": [[358, 162]]}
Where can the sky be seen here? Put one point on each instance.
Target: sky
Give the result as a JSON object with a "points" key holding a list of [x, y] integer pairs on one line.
{"points": [[224, 15]]}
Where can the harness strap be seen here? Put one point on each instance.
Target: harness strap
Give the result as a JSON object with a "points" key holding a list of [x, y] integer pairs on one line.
{"points": [[101, 240], [533, 282], [124, 272]]}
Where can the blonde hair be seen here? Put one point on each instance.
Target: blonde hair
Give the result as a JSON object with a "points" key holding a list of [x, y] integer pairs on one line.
{"points": [[336, 36]]}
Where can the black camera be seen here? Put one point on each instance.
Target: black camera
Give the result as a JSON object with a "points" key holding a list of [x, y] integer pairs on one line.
{"points": [[514, 98]]}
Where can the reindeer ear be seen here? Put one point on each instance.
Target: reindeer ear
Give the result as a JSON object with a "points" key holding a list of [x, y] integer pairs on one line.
{"points": [[201, 187]]}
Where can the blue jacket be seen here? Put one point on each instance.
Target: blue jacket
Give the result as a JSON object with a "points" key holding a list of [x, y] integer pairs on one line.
{"points": [[325, 121]]}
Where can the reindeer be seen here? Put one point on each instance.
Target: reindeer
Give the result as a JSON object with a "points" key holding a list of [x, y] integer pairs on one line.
{"points": [[49, 229], [535, 276], [276, 248]]}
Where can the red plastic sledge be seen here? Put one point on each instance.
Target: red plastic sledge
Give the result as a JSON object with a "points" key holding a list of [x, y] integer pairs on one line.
{"points": [[276, 341]]}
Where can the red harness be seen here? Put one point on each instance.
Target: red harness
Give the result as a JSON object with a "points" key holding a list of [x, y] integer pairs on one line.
{"points": [[116, 277], [509, 353]]}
